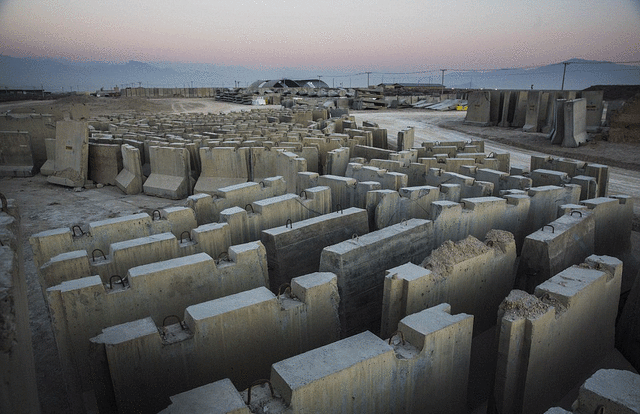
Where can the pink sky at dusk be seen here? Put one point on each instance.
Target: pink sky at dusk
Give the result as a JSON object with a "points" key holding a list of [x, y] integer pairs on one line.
{"points": [[356, 34]]}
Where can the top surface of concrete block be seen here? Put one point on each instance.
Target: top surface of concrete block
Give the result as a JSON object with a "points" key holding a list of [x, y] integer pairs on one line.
{"points": [[125, 332], [570, 281], [314, 279], [230, 303], [313, 365], [77, 284], [433, 319], [618, 386]]}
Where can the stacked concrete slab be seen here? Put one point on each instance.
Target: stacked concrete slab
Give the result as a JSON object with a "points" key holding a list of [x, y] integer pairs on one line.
{"points": [[18, 391], [551, 340], [363, 373], [574, 170], [82, 307], [147, 366]]}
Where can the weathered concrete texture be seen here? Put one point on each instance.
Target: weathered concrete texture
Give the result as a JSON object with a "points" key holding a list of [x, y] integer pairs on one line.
{"points": [[222, 167], [336, 161], [130, 178], [406, 139], [81, 308], [365, 374], [564, 242], [388, 207], [595, 107], [246, 224], [616, 391], [105, 162], [219, 397], [39, 127], [575, 168], [49, 166], [388, 180], [208, 207], [473, 277], [294, 250], [360, 264], [146, 367], [549, 342], [613, 221], [479, 109], [170, 173], [571, 123], [15, 154], [533, 110], [72, 154], [18, 391]]}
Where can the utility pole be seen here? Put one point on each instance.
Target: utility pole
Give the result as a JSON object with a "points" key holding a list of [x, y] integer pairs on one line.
{"points": [[319, 80], [442, 86], [368, 73], [563, 73]]}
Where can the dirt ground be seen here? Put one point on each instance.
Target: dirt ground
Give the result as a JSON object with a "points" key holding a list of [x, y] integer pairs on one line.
{"points": [[44, 206]]}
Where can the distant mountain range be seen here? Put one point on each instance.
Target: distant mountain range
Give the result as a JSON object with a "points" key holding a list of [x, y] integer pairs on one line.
{"points": [[57, 75]]}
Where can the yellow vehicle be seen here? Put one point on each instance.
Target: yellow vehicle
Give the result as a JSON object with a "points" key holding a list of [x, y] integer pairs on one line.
{"points": [[462, 108]]}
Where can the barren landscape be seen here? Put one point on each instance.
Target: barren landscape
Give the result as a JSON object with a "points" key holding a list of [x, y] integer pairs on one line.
{"points": [[44, 206]]}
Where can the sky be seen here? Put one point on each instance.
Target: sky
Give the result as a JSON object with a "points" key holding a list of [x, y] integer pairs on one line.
{"points": [[352, 35]]}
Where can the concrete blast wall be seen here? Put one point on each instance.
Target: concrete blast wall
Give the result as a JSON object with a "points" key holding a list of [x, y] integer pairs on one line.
{"points": [[573, 169], [360, 264], [473, 277], [16, 158], [146, 367], [81, 308], [130, 178], [208, 207], [101, 234], [556, 246], [72, 154], [388, 180], [365, 374], [294, 250], [272, 212], [549, 341], [40, 127], [18, 391], [170, 173]]}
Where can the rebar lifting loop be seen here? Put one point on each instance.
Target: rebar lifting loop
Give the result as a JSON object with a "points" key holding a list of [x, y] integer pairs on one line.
{"points": [[575, 211], [73, 230], [285, 286], [5, 204], [339, 208], [188, 234], [404, 221], [164, 321], [93, 254], [249, 205], [397, 333], [305, 194], [355, 237], [491, 155], [599, 410], [111, 281], [553, 230], [259, 382], [153, 215], [222, 257], [288, 223]]}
